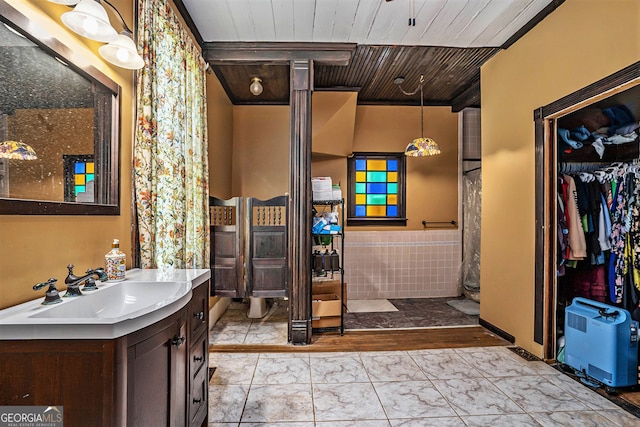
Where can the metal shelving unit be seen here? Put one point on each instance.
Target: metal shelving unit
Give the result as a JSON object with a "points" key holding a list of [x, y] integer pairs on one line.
{"points": [[333, 242]]}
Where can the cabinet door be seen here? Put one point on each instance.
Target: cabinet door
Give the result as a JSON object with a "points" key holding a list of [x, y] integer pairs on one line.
{"points": [[157, 379]]}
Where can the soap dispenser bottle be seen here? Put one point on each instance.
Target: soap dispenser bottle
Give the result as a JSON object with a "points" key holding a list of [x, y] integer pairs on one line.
{"points": [[115, 262]]}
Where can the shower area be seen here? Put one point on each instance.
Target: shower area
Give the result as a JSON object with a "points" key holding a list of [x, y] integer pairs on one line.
{"points": [[431, 275]]}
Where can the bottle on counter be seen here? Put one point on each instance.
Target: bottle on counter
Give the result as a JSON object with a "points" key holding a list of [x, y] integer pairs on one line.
{"points": [[115, 265]]}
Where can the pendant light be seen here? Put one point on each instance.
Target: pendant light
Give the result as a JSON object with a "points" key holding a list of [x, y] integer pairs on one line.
{"points": [[16, 150], [256, 86], [419, 147]]}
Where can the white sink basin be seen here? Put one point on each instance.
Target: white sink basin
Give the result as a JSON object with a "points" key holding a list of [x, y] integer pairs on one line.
{"points": [[111, 311], [118, 301]]}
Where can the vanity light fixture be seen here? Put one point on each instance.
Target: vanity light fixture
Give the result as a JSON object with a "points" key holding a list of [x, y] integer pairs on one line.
{"points": [[122, 52], [419, 147], [89, 19], [256, 86]]}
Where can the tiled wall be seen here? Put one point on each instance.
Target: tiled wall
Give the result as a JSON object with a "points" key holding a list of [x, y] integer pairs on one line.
{"points": [[471, 134], [402, 264]]}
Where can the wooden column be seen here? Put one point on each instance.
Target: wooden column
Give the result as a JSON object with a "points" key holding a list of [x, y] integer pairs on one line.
{"points": [[300, 221], [301, 57]]}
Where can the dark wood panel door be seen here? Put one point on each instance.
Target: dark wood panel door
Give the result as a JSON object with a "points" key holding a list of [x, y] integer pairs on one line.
{"points": [[227, 246], [267, 247]]}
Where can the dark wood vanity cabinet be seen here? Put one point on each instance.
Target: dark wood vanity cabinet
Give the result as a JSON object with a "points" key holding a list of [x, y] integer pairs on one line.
{"points": [[198, 360], [157, 376]]}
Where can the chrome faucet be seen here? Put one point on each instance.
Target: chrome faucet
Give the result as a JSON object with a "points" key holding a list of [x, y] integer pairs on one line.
{"points": [[74, 282]]}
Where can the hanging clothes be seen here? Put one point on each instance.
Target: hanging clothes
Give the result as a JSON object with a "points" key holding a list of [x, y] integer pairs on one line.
{"points": [[618, 264], [598, 221], [577, 248]]}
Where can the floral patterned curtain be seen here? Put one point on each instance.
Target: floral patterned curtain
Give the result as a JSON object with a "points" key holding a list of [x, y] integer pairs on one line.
{"points": [[170, 165]]}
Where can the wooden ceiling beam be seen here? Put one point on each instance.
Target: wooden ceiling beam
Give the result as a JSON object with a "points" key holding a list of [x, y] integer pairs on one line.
{"points": [[469, 97], [218, 53]]}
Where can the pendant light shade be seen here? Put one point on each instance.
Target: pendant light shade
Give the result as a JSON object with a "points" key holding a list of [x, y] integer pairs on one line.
{"points": [[90, 20], [16, 150], [122, 52], [419, 147]]}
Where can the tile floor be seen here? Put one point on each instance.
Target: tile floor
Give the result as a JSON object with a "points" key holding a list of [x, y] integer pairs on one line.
{"points": [[235, 328], [486, 386], [412, 313]]}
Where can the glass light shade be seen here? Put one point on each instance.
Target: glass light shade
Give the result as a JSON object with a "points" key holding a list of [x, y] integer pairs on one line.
{"points": [[256, 86], [16, 150], [422, 147], [122, 52], [65, 2], [90, 20]]}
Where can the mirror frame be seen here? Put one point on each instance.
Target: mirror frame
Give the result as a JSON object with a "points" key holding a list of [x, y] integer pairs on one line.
{"points": [[107, 155]]}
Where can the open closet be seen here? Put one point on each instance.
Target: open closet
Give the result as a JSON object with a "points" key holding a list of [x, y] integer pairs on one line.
{"points": [[587, 202]]}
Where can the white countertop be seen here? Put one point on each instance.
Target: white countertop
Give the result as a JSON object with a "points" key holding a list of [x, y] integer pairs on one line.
{"points": [[114, 310]]}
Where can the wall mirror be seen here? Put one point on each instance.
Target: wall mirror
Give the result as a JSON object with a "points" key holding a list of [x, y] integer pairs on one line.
{"points": [[59, 130]]}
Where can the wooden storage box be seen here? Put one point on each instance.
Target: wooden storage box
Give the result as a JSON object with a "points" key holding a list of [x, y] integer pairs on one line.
{"points": [[320, 287], [326, 322], [323, 305]]}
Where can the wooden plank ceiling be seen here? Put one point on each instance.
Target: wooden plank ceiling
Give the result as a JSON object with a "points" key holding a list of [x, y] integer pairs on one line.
{"points": [[449, 42]]}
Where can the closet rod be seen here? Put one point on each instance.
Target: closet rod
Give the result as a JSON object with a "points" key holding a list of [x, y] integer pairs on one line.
{"points": [[576, 167]]}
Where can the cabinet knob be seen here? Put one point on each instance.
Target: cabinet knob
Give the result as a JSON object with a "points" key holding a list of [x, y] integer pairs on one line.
{"points": [[178, 341], [199, 315], [198, 359]]}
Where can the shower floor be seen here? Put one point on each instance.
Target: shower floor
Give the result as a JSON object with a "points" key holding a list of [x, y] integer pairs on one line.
{"points": [[234, 327], [412, 313]]}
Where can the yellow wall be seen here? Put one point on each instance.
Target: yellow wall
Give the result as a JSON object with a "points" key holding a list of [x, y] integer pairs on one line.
{"points": [[333, 120], [432, 182], [261, 151], [220, 131], [35, 248], [578, 44]]}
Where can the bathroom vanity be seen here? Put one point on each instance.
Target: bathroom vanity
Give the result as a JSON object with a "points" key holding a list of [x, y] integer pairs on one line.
{"points": [[146, 365]]}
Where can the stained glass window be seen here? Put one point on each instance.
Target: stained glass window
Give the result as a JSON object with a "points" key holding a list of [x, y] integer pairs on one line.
{"points": [[79, 178], [376, 189]]}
